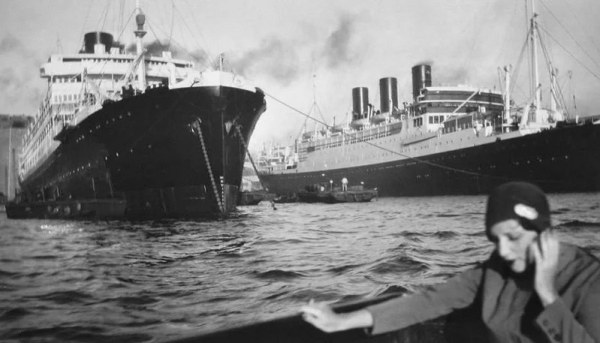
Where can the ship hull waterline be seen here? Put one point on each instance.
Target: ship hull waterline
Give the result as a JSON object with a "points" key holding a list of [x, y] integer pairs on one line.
{"points": [[565, 159]]}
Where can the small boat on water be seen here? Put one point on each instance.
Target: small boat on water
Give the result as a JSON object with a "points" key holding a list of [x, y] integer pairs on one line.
{"points": [[286, 198], [316, 193], [254, 197]]}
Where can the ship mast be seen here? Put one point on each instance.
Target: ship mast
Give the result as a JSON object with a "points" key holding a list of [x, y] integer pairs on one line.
{"points": [[553, 87], [9, 176], [140, 19], [536, 83], [507, 70]]}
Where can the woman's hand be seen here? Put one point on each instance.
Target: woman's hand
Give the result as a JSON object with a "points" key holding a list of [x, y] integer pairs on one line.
{"points": [[322, 316], [546, 253]]}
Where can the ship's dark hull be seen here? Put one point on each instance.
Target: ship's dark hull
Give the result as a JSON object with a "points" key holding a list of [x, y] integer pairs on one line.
{"points": [[168, 153], [565, 159]]}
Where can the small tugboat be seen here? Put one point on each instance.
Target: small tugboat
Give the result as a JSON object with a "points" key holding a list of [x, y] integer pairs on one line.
{"points": [[254, 197], [286, 198], [318, 193]]}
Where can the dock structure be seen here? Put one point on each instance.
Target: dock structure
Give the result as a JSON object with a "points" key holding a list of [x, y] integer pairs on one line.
{"points": [[12, 129]]}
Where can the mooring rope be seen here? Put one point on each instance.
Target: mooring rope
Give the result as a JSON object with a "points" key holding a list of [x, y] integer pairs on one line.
{"points": [[239, 133]]}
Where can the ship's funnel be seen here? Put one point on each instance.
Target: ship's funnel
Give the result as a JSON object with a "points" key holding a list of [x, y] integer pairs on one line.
{"points": [[360, 102], [388, 90], [421, 78], [92, 38]]}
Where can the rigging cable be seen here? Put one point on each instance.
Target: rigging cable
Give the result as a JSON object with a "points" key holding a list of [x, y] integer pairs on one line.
{"points": [[570, 35], [239, 133], [104, 17], [118, 38], [207, 52], [570, 54], [550, 67], [87, 15], [125, 25], [154, 33], [172, 24], [205, 62], [518, 65], [119, 25], [502, 56], [529, 33]]}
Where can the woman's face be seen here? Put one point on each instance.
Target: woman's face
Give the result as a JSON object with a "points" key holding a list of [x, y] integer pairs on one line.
{"points": [[512, 244]]}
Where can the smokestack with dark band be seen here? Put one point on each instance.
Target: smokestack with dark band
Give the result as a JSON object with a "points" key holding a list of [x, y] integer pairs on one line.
{"points": [[388, 90], [360, 102], [421, 78]]}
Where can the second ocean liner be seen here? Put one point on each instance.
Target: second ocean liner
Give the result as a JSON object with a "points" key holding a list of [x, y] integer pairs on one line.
{"points": [[135, 136], [448, 140]]}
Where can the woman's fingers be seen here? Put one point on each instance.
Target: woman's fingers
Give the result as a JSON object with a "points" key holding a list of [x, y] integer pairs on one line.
{"points": [[544, 243], [537, 254], [320, 315], [311, 310]]}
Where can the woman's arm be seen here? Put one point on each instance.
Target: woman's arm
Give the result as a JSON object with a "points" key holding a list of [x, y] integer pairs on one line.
{"points": [[397, 313], [456, 293]]}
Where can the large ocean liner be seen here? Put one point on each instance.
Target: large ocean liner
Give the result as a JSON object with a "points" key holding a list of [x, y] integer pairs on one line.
{"points": [[132, 135], [448, 140]]}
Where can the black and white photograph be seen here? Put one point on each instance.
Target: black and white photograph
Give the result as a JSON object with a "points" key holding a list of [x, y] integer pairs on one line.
{"points": [[299, 171]]}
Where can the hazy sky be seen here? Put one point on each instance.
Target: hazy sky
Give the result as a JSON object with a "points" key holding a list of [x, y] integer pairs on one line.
{"points": [[294, 49]]}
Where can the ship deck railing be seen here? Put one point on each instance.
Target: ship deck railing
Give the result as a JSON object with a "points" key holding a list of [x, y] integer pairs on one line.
{"points": [[351, 138]]}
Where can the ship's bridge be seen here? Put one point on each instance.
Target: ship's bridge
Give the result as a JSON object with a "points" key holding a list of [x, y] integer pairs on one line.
{"points": [[436, 104], [112, 66]]}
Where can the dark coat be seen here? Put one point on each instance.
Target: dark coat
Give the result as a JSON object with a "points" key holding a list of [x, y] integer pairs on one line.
{"points": [[506, 307]]}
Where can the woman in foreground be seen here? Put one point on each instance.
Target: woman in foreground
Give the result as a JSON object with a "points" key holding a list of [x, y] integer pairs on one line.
{"points": [[532, 288]]}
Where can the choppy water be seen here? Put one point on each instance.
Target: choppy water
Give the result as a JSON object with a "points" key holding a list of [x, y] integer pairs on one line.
{"points": [[153, 281]]}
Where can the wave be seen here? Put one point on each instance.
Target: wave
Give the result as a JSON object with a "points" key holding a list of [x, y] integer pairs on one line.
{"points": [[304, 295], [448, 215], [5, 273], [278, 274], [139, 300], [276, 295], [234, 249], [579, 223], [343, 268], [271, 242], [13, 314], [479, 233], [445, 234], [413, 235], [44, 257], [66, 297], [400, 264]]}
